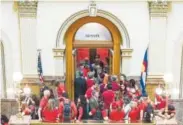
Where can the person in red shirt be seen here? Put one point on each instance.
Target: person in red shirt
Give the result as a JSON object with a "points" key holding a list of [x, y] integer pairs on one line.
{"points": [[43, 103], [134, 113], [82, 108], [160, 101], [142, 106], [115, 85], [60, 88], [50, 113], [90, 81], [67, 109], [116, 113], [25, 109], [85, 71], [108, 97]]}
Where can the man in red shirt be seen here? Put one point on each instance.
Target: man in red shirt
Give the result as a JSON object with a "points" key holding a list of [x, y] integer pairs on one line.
{"points": [[90, 81], [108, 97], [134, 113], [67, 109], [43, 103], [116, 113]]}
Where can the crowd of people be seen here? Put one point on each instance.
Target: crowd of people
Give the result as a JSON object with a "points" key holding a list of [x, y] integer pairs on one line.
{"points": [[98, 96]]}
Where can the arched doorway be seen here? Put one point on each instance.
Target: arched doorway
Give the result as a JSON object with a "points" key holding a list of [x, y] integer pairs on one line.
{"points": [[70, 44]]}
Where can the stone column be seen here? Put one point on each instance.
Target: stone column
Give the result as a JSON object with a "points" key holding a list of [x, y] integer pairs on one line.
{"points": [[126, 54], [59, 61], [157, 46], [27, 12]]}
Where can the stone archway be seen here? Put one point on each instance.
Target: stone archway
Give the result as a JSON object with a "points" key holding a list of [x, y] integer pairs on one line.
{"points": [[60, 42], [70, 26], [7, 66]]}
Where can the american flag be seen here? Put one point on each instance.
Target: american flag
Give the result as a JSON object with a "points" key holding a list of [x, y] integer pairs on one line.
{"points": [[39, 68]]}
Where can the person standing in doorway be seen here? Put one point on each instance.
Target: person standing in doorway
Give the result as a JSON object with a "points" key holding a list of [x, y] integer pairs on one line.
{"points": [[79, 86]]}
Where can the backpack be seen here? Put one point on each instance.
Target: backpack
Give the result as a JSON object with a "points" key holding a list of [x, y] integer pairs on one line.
{"points": [[67, 111], [147, 113]]}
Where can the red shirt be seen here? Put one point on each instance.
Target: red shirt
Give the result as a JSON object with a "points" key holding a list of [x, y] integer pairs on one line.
{"points": [[43, 102], [27, 111], [142, 106], [89, 83], [88, 93], [108, 98], [116, 115], [115, 86], [134, 114], [120, 103], [50, 115], [162, 102], [60, 89], [85, 72]]}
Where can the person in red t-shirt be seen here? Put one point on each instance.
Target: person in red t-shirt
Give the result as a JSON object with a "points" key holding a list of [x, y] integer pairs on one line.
{"points": [[160, 101], [134, 112], [50, 113], [142, 106], [67, 109], [60, 88], [116, 113], [115, 85], [82, 108], [108, 97], [90, 81], [43, 103], [25, 109], [85, 71]]}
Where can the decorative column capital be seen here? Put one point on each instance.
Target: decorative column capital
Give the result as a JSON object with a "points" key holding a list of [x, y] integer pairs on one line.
{"points": [[59, 52], [155, 78], [159, 9], [26, 8], [126, 52]]}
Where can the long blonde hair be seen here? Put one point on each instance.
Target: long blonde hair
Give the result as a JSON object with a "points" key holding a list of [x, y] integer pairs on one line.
{"points": [[51, 104]]}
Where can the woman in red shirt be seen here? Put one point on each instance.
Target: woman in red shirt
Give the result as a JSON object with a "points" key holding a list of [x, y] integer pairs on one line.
{"points": [[82, 108], [134, 113], [50, 113], [116, 114]]}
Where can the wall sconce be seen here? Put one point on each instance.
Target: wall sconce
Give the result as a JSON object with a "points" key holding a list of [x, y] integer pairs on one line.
{"points": [[92, 9]]}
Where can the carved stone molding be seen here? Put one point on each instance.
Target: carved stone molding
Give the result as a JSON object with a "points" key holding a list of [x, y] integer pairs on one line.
{"points": [[159, 9], [36, 81], [59, 52], [27, 8], [155, 79], [126, 52]]}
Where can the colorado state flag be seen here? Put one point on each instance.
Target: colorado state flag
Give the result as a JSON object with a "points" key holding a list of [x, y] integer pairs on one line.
{"points": [[144, 73]]}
